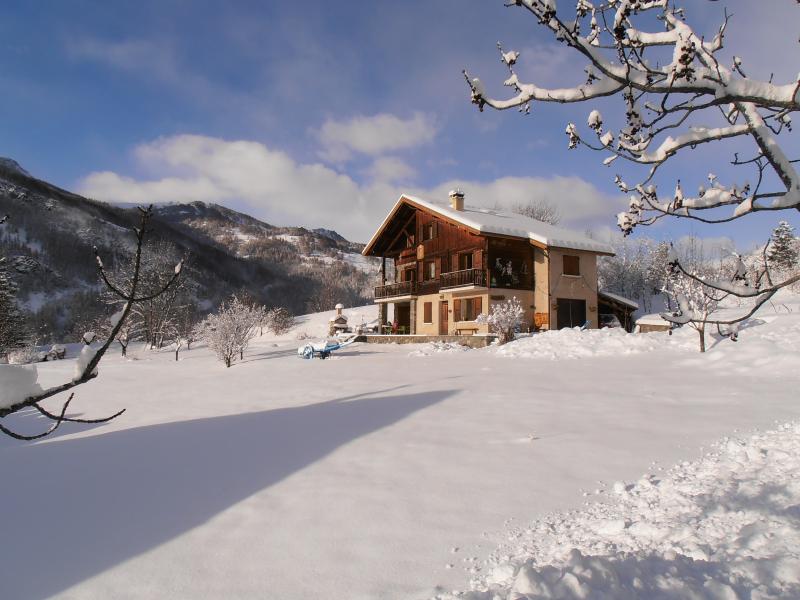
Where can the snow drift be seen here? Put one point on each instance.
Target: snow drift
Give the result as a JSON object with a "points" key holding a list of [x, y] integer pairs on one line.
{"points": [[725, 526]]}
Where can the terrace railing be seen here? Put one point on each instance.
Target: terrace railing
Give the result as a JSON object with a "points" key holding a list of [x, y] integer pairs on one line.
{"points": [[476, 277], [401, 288]]}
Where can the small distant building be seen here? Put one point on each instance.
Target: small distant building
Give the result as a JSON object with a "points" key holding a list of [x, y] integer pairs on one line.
{"points": [[338, 323], [618, 306], [453, 262], [652, 322]]}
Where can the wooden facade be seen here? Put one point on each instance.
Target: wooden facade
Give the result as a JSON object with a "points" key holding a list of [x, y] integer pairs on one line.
{"points": [[445, 273]]}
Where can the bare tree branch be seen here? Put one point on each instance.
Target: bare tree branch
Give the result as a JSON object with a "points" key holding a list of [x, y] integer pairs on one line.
{"points": [[89, 371], [621, 66]]}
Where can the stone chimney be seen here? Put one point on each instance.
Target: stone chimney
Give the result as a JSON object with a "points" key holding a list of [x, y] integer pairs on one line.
{"points": [[339, 309], [457, 199]]}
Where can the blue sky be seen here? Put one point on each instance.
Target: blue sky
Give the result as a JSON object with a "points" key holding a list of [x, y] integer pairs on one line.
{"points": [[320, 113]]}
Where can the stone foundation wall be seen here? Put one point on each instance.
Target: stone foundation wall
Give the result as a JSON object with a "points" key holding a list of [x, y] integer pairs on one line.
{"points": [[473, 341]]}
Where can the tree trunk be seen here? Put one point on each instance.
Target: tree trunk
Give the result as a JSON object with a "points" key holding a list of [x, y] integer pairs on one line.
{"points": [[702, 331], [176, 353]]}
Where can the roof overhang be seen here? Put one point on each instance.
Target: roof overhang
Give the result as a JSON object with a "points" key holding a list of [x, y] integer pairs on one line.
{"points": [[612, 299], [385, 226], [385, 229]]}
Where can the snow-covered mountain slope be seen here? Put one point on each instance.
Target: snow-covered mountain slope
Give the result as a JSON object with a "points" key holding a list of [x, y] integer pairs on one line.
{"points": [[51, 233], [395, 471], [248, 237]]}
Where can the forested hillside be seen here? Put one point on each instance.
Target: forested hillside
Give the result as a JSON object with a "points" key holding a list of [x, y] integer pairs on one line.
{"points": [[50, 235]]}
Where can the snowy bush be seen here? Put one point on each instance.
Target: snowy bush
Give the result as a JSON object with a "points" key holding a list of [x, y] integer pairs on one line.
{"points": [[228, 331], [694, 299], [279, 320], [24, 355], [504, 319]]}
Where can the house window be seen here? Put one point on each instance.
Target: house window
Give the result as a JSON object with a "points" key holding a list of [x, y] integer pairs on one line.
{"points": [[467, 309], [427, 312], [572, 265], [428, 231], [430, 270], [465, 261]]}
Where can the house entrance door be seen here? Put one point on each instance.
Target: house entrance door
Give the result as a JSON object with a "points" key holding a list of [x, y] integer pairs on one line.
{"points": [[444, 319], [402, 315], [571, 313]]}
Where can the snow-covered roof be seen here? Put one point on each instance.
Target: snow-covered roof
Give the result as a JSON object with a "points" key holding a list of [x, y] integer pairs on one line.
{"points": [[651, 319], [493, 221], [620, 299]]}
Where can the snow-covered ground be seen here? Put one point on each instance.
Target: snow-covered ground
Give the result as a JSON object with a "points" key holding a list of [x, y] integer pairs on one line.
{"points": [[402, 471], [726, 526]]}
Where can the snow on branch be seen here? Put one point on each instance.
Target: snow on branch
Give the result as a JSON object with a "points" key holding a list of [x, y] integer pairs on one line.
{"points": [[504, 319], [20, 387], [666, 80], [699, 290]]}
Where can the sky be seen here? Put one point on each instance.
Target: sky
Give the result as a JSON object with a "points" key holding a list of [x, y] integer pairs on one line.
{"points": [[319, 113]]}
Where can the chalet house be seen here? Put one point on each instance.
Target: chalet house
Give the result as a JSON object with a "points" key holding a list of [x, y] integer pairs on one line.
{"points": [[444, 264]]}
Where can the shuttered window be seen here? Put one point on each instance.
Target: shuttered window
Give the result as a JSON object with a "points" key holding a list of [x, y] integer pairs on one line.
{"points": [[572, 265], [467, 309], [428, 231], [430, 270], [427, 312]]}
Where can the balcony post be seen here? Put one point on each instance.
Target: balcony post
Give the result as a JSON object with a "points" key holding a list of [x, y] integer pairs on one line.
{"points": [[383, 309]]}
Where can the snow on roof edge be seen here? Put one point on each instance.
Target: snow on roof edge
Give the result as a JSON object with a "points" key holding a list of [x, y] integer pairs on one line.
{"points": [[621, 299], [651, 319], [490, 221]]}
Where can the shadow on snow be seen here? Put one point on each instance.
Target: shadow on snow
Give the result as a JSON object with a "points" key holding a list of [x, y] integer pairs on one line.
{"points": [[76, 507]]}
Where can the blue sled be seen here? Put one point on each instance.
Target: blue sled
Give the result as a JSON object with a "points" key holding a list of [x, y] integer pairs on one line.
{"points": [[321, 350]]}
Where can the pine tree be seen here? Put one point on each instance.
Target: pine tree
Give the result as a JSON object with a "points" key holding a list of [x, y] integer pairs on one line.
{"points": [[783, 252], [12, 325]]}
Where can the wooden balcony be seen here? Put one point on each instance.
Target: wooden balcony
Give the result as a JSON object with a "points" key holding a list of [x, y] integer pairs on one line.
{"points": [[401, 288], [475, 277]]}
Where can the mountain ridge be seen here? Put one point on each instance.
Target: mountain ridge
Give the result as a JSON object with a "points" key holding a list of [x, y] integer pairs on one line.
{"points": [[51, 233]]}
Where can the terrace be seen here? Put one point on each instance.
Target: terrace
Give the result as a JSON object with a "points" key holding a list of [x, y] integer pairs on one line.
{"points": [[476, 278]]}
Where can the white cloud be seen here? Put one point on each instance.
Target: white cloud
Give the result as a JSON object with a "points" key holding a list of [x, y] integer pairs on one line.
{"points": [[271, 186], [390, 169], [373, 135], [248, 176], [578, 200]]}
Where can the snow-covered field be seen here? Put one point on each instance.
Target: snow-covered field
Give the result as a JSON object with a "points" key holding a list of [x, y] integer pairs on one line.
{"points": [[406, 471], [726, 526]]}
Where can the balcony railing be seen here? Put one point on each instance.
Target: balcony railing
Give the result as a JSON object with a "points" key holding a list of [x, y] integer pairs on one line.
{"points": [[401, 288], [476, 277]]}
